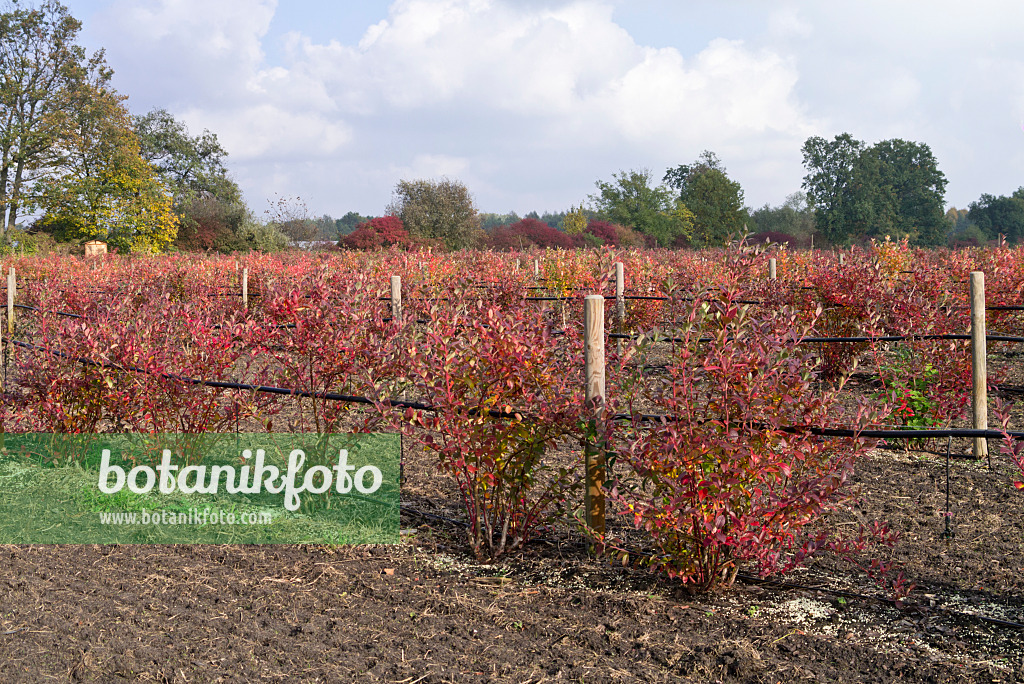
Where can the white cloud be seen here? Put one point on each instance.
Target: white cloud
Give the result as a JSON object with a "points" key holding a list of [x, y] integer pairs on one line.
{"points": [[530, 101]]}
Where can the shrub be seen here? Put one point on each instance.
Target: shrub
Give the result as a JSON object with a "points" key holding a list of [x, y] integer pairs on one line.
{"points": [[721, 481], [477, 367], [528, 233], [383, 231]]}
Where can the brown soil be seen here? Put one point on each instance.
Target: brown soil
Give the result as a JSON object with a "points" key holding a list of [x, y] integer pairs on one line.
{"points": [[421, 611]]}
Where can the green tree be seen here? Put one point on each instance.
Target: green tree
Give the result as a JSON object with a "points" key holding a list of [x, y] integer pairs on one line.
{"points": [[715, 200], [437, 210], [891, 188], [1000, 215], [102, 187], [42, 71], [347, 223], [631, 200], [830, 183], [793, 217], [912, 191], [188, 165]]}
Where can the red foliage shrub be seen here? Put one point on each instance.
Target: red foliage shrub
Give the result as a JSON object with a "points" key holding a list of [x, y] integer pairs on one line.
{"points": [[721, 481], [526, 234], [383, 231]]}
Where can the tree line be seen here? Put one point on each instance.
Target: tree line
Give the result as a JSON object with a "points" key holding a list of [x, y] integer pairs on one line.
{"points": [[76, 165]]}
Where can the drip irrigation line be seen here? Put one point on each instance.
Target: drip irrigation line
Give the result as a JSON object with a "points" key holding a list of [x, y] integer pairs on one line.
{"points": [[493, 413], [826, 340], [51, 313], [264, 389]]}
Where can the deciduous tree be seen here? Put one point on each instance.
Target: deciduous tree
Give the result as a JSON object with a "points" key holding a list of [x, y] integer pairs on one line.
{"points": [[102, 188], [42, 71], [632, 201], [437, 210], [714, 200]]}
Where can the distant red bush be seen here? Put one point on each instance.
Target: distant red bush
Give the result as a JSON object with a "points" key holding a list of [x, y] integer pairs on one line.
{"points": [[613, 234], [526, 234], [383, 231]]}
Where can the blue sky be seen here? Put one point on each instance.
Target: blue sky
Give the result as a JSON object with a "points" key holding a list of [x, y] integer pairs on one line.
{"points": [[529, 102]]}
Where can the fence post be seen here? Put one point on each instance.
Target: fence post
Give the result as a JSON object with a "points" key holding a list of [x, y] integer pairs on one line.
{"points": [[620, 303], [396, 298], [12, 289], [771, 268], [245, 287], [536, 268], [593, 336], [979, 370], [841, 260]]}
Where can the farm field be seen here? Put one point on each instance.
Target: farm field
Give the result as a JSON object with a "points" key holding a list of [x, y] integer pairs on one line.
{"points": [[768, 562]]}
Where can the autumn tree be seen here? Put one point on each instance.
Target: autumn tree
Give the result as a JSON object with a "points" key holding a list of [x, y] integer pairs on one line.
{"points": [[575, 221], [42, 70], [437, 210], [101, 187]]}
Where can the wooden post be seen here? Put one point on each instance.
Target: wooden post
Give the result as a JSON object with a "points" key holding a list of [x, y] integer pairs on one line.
{"points": [[536, 268], [841, 259], [245, 287], [593, 336], [979, 370], [771, 268], [396, 298], [12, 287], [620, 303]]}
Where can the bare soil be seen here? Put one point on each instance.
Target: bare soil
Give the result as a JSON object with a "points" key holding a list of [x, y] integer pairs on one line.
{"points": [[422, 611]]}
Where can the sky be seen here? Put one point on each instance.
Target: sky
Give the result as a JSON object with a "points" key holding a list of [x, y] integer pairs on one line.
{"points": [[530, 102]]}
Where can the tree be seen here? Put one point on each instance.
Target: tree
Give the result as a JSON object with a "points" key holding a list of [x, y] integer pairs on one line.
{"points": [[347, 223], [41, 71], [1001, 215], [715, 200], [102, 188], [793, 218], [912, 191], [437, 210], [891, 188], [575, 221], [188, 165], [631, 201]]}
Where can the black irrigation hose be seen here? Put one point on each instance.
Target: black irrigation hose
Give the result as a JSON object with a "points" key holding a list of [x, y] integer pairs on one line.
{"points": [[816, 340], [327, 396], [52, 313], [493, 413]]}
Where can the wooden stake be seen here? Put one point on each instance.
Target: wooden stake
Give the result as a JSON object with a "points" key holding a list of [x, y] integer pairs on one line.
{"points": [[979, 369], [396, 298], [620, 302], [12, 287], [245, 287], [771, 269], [593, 336]]}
